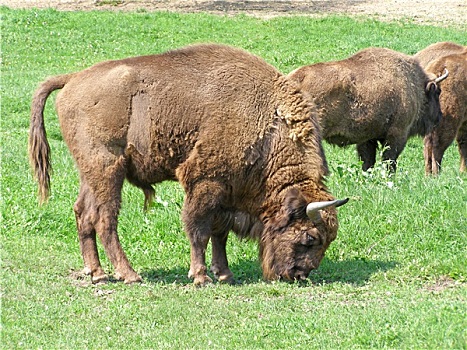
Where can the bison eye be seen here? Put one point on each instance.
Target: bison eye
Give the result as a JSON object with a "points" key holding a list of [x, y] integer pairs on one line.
{"points": [[307, 239]]}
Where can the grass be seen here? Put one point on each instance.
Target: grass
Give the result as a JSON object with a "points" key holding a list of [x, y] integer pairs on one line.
{"points": [[394, 278]]}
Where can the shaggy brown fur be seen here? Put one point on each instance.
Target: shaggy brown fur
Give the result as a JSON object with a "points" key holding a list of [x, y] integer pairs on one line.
{"points": [[376, 96], [437, 50], [453, 100], [229, 127]]}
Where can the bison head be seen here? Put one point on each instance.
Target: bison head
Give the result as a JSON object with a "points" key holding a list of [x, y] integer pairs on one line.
{"points": [[296, 237], [433, 113]]}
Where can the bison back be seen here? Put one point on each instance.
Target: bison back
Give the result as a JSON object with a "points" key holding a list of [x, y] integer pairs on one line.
{"points": [[211, 102], [438, 50]]}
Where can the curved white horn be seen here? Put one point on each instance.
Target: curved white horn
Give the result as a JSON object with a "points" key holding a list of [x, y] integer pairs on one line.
{"points": [[313, 208], [442, 77]]}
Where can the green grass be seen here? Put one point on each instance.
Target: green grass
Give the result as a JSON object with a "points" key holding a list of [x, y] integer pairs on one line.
{"points": [[394, 278]]}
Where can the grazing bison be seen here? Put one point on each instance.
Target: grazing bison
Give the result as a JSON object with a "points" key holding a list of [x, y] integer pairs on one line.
{"points": [[229, 127], [377, 95], [453, 100]]}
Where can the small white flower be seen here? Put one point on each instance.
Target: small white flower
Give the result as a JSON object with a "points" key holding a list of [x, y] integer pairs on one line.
{"points": [[160, 201]]}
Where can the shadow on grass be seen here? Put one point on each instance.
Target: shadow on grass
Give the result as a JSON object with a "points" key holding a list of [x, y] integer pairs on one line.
{"points": [[246, 272], [357, 271]]}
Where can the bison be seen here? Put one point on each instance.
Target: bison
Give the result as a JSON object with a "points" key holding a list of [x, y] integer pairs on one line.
{"points": [[375, 96], [453, 100], [236, 134]]}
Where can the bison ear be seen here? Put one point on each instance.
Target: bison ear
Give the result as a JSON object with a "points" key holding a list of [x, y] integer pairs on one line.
{"points": [[295, 203], [294, 206], [432, 85], [430, 88]]}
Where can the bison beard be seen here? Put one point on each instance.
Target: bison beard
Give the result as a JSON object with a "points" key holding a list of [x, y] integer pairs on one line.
{"points": [[236, 134]]}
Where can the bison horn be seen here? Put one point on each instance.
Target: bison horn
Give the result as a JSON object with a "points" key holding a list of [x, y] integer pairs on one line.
{"points": [[442, 77], [312, 209]]}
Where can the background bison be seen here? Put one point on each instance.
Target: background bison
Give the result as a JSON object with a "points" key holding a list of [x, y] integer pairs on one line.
{"points": [[376, 96], [229, 127], [453, 100]]}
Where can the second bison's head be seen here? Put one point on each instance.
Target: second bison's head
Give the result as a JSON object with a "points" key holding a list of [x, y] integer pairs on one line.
{"points": [[296, 237], [432, 109]]}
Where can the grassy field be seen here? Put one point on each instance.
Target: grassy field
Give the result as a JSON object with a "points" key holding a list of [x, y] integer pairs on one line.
{"points": [[394, 278]]}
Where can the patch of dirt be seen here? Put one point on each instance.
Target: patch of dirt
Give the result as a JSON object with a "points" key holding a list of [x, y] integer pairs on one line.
{"points": [[436, 12], [79, 278], [443, 283]]}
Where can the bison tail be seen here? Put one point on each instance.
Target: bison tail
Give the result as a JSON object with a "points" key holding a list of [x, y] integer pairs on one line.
{"points": [[39, 149]]}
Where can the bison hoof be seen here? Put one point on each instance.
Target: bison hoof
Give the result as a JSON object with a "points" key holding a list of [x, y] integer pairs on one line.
{"points": [[201, 281], [133, 279], [128, 278], [99, 279], [227, 280], [224, 277]]}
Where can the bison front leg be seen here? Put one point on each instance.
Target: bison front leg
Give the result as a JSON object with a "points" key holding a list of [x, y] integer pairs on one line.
{"points": [[198, 270], [200, 210], [220, 265], [198, 232], [430, 164], [367, 153], [442, 137], [392, 149]]}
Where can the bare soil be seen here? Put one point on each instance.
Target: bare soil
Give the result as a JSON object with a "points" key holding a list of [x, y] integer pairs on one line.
{"points": [[435, 12]]}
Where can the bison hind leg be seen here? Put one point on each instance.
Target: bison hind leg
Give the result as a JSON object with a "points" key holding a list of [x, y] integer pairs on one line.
{"points": [[84, 213], [97, 211]]}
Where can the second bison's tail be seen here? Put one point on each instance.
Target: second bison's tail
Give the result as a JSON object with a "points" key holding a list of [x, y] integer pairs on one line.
{"points": [[39, 149]]}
